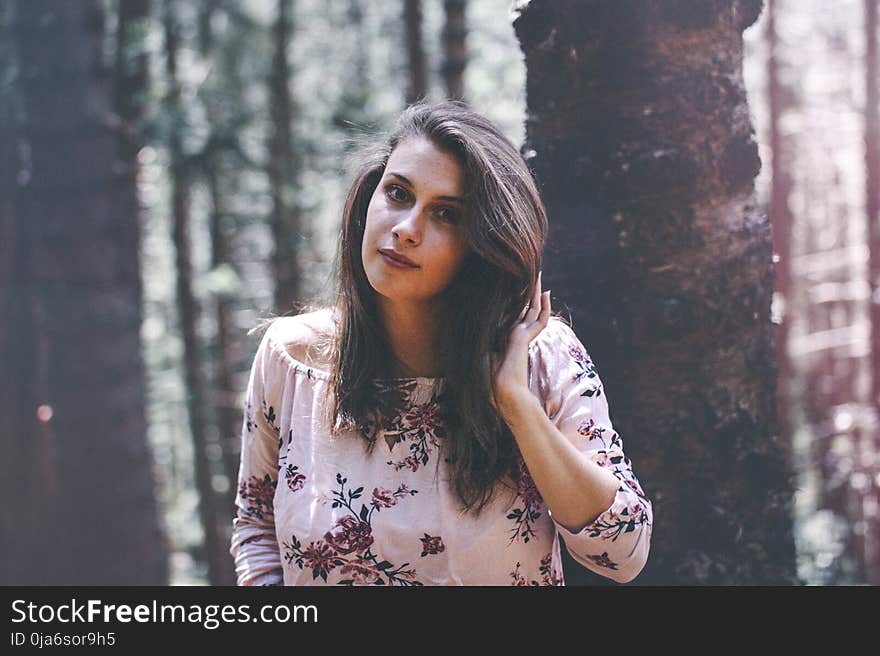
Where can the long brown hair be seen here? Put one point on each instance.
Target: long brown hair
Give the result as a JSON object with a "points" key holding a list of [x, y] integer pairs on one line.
{"points": [[505, 225]]}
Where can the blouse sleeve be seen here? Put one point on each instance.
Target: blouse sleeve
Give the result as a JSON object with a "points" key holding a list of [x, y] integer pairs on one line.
{"points": [[254, 542], [616, 543]]}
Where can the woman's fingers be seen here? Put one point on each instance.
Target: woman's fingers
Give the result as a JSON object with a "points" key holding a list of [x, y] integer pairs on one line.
{"points": [[538, 309], [535, 304], [544, 317], [534, 329]]}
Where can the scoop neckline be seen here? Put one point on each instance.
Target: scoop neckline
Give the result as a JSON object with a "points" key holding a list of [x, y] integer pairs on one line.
{"points": [[325, 375]]}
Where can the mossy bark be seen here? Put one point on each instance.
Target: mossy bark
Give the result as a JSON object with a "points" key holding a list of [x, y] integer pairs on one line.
{"points": [[638, 130], [78, 479]]}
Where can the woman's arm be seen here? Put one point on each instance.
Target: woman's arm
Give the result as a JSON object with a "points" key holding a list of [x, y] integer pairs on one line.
{"points": [[254, 542], [549, 394], [556, 466]]}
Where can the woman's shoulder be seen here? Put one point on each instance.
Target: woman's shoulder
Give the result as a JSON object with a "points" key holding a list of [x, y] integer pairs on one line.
{"points": [[305, 337], [557, 334], [560, 366], [557, 349]]}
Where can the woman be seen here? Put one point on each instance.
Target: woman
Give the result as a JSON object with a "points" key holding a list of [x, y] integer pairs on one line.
{"points": [[435, 425]]}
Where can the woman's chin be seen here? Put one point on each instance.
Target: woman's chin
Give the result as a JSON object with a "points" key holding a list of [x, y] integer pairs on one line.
{"points": [[397, 293]]}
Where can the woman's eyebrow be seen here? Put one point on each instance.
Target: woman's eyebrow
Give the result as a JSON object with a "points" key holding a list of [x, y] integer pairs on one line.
{"points": [[455, 199]]}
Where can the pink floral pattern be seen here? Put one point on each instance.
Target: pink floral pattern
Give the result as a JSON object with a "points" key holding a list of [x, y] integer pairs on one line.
{"points": [[348, 545], [249, 423], [585, 369], [549, 576], [402, 526], [295, 479], [269, 416], [320, 558], [612, 524], [383, 497], [589, 429], [432, 544], [603, 560], [532, 503], [351, 534], [361, 571], [258, 493], [422, 428], [418, 424]]}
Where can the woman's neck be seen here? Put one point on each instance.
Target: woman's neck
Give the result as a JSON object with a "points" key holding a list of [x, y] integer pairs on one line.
{"points": [[413, 330]]}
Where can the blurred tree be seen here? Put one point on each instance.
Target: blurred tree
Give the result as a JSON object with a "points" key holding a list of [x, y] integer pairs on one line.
{"points": [[283, 168], [74, 432], [418, 75], [780, 98], [454, 47], [226, 410], [131, 78], [215, 543], [351, 111], [638, 129], [221, 145], [871, 448], [830, 340]]}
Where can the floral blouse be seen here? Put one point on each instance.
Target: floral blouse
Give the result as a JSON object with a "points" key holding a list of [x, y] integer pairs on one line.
{"points": [[318, 509]]}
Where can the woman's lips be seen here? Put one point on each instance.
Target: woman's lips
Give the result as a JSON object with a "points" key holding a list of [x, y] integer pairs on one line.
{"points": [[390, 261]]}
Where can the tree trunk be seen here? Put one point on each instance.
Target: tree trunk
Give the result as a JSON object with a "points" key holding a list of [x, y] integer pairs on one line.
{"points": [[871, 445], [285, 218], [638, 129], [418, 76], [132, 76], [74, 431], [355, 19], [215, 544], [780, 220], [454, 47], [353, 105], [28, 462], [227, 406]]}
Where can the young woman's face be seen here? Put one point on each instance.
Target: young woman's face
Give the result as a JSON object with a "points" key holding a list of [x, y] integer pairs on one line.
{"points": [[416, 213]]}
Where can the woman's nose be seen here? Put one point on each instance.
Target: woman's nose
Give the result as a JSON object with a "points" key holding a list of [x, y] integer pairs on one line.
{"points": [[409, 228]]}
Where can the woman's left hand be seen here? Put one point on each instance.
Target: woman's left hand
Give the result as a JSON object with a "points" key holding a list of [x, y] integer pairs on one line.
{"points": [[511, 378]]}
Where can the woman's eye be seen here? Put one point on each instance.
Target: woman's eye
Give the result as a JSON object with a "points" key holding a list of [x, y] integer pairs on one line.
{"points": [[448, 214], [395, 193], [400, 195]]}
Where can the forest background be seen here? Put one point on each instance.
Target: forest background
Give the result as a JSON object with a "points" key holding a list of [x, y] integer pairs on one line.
{"points": [[173, 171]]}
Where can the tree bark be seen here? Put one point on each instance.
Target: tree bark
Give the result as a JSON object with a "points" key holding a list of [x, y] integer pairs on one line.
{"points": [[639, 132], [353, 107], [74, 438], [285, 218], [871, 444], [417, 87], [215, 545], [454, 47], [227, 406], [780, 219], [131, 75]]}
